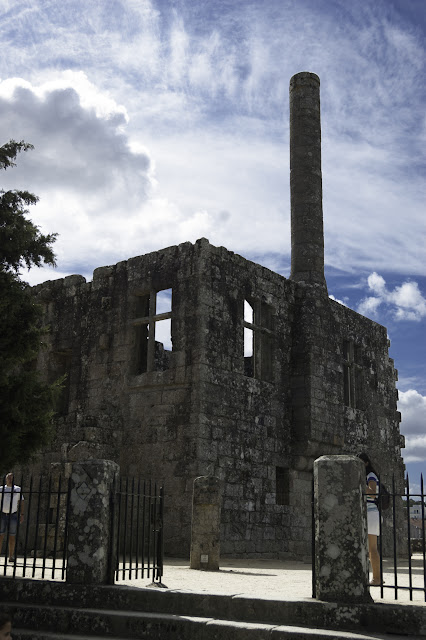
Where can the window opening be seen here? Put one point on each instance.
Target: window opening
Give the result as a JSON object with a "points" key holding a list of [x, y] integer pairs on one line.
{"points": [[153, 329], [248, 339], [258, 340], [142, 332], [248, 352], [60, 366], [282, 485], [352, 374], [164, 301], [163, 344], [142, 306], [248, 312]]}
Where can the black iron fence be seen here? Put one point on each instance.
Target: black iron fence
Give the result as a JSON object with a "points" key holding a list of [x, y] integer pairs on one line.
{"points": [[35, 513], [402, 542], [139, 518], [34, 524], [404, 569]]}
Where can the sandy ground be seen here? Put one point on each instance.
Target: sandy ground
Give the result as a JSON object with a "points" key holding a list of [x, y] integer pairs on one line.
{"points": [[282, 580]]}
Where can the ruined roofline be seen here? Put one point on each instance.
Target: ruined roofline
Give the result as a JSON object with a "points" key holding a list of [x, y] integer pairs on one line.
{"points": [[201, 243], [342, 308]]}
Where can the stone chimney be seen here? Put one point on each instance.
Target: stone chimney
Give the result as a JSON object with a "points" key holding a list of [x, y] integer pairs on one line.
{"points": [[307, 231]]}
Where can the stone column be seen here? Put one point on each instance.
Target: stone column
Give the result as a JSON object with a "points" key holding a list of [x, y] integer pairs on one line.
{"points": [[90, 544], [307, 232], [341, 551], [205, 534]]}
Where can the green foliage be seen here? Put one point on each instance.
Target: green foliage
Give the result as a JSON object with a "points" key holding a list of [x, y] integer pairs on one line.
{"points": [[10, 150], [20, 240], [26, 403], [414, 503]]}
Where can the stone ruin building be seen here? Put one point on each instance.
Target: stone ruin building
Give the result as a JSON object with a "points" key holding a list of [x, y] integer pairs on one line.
{"points": [[193, 361]]}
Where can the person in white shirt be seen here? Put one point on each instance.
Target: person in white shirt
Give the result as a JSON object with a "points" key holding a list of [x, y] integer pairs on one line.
{"points": [[373, 518], [11, 503]]}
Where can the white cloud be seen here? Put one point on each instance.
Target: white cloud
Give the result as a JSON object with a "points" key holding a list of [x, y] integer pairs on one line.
{"points": [[204, 87], [93, 183], [155, 124], [415, 449], [369, 306], [412, 406], [77, 149], [413, 409], [90, 97], [377, 283], [405, 302]]}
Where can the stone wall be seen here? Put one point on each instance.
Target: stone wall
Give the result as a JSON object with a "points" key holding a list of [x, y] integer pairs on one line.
{"points": [[199, 406], [245, 421]]}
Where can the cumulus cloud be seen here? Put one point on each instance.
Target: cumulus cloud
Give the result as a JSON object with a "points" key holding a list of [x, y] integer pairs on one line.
{"points": [[93, 182], [78, 149], [204, 86], [412, 406], [97, 184], [405, 302]]}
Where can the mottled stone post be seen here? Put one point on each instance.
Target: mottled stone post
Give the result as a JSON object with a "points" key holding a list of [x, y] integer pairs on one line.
{"points": [[90, 548], [341, 553], [205, 534], [307, 232]]}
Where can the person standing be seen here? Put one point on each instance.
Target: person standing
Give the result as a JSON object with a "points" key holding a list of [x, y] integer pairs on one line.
{"points": [[373, 518], [11, 503]]}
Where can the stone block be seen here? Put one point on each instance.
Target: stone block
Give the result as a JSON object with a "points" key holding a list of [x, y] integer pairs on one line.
{"points": [[90, 545], [341, 560], [205, 531]]}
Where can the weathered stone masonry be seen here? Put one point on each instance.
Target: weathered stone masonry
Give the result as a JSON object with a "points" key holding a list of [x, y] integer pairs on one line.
{"points": [[312, 378]]}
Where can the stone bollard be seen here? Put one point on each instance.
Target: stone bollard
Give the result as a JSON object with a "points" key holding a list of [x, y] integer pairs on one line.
{"points": [[205, 534], [90, 547], [341, 551]]}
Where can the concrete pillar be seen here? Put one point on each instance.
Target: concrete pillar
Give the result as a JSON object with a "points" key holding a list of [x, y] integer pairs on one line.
{"points": [[307, 231], [205, 534], [341, 552], [90, 544]]}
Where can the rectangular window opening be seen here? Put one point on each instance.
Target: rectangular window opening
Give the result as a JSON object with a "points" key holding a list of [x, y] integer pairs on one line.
{"points": [[248, 352], [163, 344], [347, 385], [267, 358], [60, 366], [282, 485], [248, 312], [348, 350], [258, 340], [141, 348], [358, 355], [153, 331], [142, 306], [266, 316], [163, 302], [352, 375]]}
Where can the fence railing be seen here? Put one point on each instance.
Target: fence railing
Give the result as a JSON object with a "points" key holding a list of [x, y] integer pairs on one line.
{"points": [[139, 542], [35, 514], [401, 543], [34, 525], [404, 566]]}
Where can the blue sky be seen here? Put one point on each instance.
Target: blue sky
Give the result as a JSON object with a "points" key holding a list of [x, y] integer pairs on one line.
{"points": [[158, 122]]}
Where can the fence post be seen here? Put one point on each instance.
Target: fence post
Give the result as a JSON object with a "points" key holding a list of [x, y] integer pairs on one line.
{"points": [[205, 533], [90, 544], [341, 560]]}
